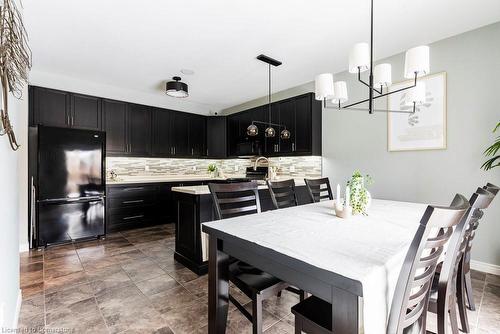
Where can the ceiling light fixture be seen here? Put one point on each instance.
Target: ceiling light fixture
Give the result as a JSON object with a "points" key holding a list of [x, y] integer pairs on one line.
{"points": [[379, 78], [269, 132], [177, 88]]}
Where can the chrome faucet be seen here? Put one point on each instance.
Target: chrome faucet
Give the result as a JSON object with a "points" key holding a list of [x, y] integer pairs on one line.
{"points": [[257, 162]]}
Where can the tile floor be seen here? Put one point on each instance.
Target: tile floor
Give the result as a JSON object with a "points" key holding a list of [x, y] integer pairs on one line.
{"points": [[130, 283]]}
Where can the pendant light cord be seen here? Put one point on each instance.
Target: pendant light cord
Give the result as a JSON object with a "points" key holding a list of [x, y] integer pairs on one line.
{"points": [[269, 95]]}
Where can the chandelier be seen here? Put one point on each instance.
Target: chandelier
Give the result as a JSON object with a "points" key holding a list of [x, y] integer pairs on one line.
{"points": [[379, 79]]}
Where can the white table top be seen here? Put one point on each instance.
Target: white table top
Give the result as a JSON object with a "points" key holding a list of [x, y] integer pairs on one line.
{"points": [[369, 249]]}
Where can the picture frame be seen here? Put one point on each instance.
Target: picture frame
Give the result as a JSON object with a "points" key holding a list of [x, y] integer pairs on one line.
{"points": [[426, 129]]}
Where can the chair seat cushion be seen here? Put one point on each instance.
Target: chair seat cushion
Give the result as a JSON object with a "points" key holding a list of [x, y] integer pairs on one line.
{"points": [[315, 310], [246, 277]]}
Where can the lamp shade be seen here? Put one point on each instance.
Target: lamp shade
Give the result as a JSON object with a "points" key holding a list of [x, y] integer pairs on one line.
{"points": [[340, 88], [416, 94], [417, 61], [323, 86], [382, 75], [359, 57], [176, 88]]}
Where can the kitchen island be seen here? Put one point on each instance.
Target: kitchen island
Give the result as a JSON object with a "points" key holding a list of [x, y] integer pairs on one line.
{"points": [[195, 206]]}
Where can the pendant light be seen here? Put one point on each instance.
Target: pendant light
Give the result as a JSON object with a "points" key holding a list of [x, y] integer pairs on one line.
{"points": [[252, 130], [379, 78], [269, 132], [177, 88]]}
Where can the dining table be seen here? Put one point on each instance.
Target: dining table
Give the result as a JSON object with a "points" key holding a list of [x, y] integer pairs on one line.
{"points": [[352, 263]]}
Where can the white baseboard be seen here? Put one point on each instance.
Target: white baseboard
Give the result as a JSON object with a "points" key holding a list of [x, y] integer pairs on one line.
{"points": [[18, 309], [24, 247], [485, 267]]}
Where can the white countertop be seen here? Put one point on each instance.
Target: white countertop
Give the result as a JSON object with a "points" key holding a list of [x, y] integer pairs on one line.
{"points": [[203, 190], [164, 178]]}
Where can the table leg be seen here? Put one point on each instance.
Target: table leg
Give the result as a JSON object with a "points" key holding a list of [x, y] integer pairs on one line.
{"points": [[345, 312], [218, 287]]}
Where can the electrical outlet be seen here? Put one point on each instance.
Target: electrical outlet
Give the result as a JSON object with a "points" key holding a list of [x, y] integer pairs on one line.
{"points": [[194, 168], [236, 168], [292, 168], [146, 168]]}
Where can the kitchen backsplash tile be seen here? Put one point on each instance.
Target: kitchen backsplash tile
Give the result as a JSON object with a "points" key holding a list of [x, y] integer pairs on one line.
{"points": [[297, 167]]}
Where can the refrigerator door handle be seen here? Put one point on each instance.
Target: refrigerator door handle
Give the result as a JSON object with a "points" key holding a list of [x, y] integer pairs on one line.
{"points": [[33, 234], [69, 200]]}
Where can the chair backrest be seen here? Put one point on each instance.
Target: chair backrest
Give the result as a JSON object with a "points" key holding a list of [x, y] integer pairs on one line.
{"points": [[319, 189], [409, 305], [476, 217], [457, 247], [235, 199], [282, 193], [492, 188]]}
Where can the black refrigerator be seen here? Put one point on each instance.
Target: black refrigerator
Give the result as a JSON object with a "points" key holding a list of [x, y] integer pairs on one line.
{"points": [[67, 185]]}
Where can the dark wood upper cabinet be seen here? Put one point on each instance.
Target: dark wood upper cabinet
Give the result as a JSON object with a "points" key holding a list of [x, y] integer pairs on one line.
{"points": [[197, 137], [300, 114], [303, 130], [50, 107], [162, 142], [115, 125], [216, 137], [180, 134], [139, 130], [287, 114], [144, 131], [86, 112]]}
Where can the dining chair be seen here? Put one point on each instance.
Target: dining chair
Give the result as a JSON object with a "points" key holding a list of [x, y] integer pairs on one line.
{"points": [[319, 189], [282, 193], [238, 199], [467, 257], [409, 305], [283, 196], [448, 288]]}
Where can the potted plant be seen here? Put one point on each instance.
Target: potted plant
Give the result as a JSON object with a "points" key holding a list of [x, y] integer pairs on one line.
{"points": [[359, 196], [212, 169], [492, 151]]}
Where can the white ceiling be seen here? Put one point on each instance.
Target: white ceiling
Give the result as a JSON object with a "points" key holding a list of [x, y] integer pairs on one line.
{"points": [[137, 45]]}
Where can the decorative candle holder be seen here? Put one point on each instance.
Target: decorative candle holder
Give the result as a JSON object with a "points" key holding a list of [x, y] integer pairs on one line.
{"points": [[341, 211]]}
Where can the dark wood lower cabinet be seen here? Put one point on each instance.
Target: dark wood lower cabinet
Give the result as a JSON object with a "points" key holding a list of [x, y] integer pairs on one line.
{"points": [[192, 211], [139, 205]]}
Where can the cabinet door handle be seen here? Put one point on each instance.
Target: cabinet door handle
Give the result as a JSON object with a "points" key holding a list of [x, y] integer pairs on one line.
{"points": [[131, 202], [293, 147], [192, 151], [133, 217]]}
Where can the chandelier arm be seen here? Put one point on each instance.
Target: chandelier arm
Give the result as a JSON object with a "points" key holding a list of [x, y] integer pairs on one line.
{"points": [[382, 95], [375, 110], [269, 123], [367, 85]]}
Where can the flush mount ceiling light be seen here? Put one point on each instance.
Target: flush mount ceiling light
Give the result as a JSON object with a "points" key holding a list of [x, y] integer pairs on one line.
{"points": [[269, 132], [177, 88], [379, 78]]}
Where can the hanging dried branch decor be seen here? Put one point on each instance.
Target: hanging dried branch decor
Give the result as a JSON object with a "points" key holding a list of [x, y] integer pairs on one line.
{"points": [[15, 62]]}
